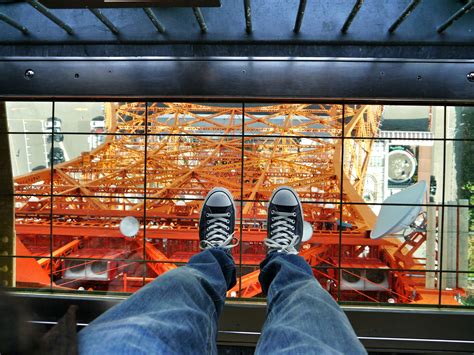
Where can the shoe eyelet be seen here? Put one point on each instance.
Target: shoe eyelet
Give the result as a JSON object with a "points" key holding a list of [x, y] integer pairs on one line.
{"points": [[292, 221], [227, 227], [228, 214], [272, 211], [294, 214], [207, 214]]}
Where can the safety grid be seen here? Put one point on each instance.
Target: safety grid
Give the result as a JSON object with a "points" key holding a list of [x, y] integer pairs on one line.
{"points": [[152, 163]]}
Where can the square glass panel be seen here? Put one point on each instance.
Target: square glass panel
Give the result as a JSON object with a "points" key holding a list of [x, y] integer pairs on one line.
{"points": [[459, 171], [457, 240], [114, 168], [394, 122], [29, 116], [33, 225], [460, 121], [308, 165], [29, 159], [85, 117], [375, 170], [188, 167], [28, 273], [293, 120], [392, 236], [178, 118]]}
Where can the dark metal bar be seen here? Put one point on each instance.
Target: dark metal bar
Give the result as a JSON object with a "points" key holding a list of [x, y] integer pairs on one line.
{"points": [[352, 15], [299, 16], [463, 10], [13, 23], [50, 16], [409, 9], [154, 20], [105, 21], [248, 17], [200, 19]]}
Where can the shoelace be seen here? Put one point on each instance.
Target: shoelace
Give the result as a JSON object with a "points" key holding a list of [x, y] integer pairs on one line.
{"points": [[282, 236], [217, 232]]}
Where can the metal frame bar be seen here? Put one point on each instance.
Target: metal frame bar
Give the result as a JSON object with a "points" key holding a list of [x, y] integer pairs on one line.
{"points": [[352, 16], [154, 20], [200, 19], [105, 21], [248, 16], [361, 80], [299, 16], [8, 20], [408, 10], [45, 12], [456, 16]]}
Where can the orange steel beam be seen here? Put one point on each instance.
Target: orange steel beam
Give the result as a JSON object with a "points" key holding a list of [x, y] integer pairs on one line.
{"points": [[154, 254]]}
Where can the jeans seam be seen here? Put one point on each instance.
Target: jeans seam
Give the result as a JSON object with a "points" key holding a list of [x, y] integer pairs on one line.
{"points": [[212, 330]]}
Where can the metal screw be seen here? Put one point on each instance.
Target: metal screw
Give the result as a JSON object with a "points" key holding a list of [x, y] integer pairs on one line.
{"points": [[470, 76], [29, 74]]}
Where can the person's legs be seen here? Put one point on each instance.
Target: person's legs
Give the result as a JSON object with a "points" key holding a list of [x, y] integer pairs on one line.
{"points": [[177, 313], [302, 318]]}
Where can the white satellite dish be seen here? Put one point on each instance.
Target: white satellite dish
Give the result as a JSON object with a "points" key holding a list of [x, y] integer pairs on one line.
{"points": [[393, 218], [129, 226]]}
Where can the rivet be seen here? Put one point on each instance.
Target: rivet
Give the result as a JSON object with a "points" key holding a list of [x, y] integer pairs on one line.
{"points": [[29, 74]]}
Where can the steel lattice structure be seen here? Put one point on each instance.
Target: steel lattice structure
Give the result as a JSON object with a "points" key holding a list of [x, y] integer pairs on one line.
{"points": [[158, 163]]}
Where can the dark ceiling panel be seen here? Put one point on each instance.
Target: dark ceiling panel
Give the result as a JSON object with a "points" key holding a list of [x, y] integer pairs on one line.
{"points": [[272, 22]]}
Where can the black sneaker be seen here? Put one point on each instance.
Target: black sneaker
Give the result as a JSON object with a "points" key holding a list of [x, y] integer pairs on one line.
{"points": [[217, 222], [284, 222]]}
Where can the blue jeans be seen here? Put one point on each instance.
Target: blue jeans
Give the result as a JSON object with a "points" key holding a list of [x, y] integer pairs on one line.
{"points": [[178, 312]]}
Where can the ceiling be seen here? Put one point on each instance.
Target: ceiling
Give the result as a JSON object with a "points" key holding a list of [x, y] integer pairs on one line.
{"points": [[245, 24]]}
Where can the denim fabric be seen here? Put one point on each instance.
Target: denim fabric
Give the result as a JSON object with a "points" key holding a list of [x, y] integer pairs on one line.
{"points": [[175, 314], [178, 312], [302, 318]]}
